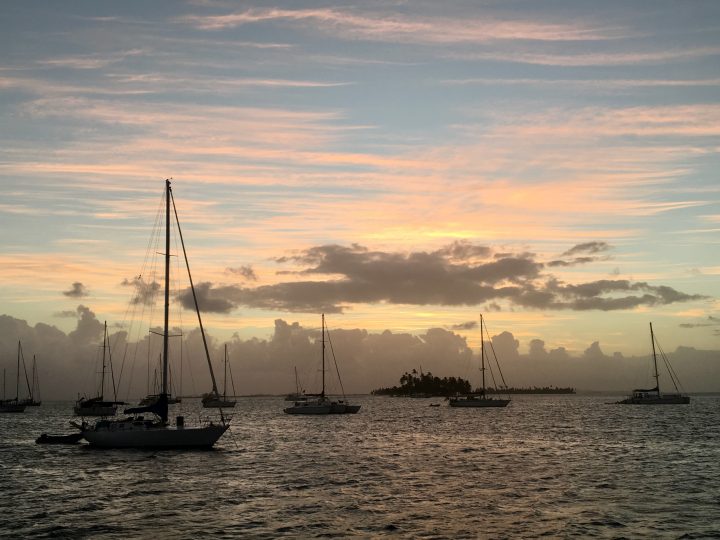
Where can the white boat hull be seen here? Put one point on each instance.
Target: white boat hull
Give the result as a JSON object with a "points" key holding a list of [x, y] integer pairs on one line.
{"points": [[665, 399], [322, 407], [152, 435]]}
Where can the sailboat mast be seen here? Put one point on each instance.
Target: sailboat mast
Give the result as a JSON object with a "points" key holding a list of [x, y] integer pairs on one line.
{"points": [[102, 379], [17, 383], [482, 354], [225, 381], [657, 377], [323, 356], [163, 390]]}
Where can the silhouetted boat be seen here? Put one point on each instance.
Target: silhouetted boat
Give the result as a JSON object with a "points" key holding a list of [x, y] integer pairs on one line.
{"points": [[71, 438], [298, 394], [11, 405], [653, 396], [33, 400], [320, 403], [157, 433], [216, 401], [481, 399], [98, 405]]}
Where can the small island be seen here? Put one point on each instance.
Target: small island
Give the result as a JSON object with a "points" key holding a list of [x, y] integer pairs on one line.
{"points": [[421, 385], [425, 385]]}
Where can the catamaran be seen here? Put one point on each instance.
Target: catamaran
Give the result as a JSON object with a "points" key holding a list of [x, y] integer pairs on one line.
{"points": [[481, 399], [653, 396], [136, 431], [321, 403]]}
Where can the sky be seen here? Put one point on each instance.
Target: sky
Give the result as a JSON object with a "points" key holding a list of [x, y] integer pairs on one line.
{"points": [[400, 166]]}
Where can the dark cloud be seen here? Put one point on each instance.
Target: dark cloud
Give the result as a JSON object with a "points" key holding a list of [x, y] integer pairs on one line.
{"points": [[208, 300], [461, 274], [246, 272], [469, 325], [67, 314], [78, 290], [88, 329], [68, 363], [587, 247], [145, 292], [710, 321], [573, 262]]}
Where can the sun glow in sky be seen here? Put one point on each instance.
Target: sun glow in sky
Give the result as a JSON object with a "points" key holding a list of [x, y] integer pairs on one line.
{"points": [[402, 166]]}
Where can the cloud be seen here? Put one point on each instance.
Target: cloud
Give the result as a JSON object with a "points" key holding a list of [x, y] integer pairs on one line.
{"points": [[460, 274], [469, 325], [401, 28], [88, 329], [78, 290], [144, 292], [246, 272], [67, 314], [587, 247], [710, 321]]}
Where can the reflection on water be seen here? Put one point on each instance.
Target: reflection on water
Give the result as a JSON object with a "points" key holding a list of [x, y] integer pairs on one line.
{"points": [[569, 466]]}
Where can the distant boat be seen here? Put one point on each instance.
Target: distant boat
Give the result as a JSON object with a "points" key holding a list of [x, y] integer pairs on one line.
{"points": [[481, 399], [321, 403], [216, 401], [12, 405], [152, 398], [71, 438], [34, 399], [98, 405], [653, 396], [157, 433], [299, 393]]}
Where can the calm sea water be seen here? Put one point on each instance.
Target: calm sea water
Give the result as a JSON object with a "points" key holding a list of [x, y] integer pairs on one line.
{"points": [[553, 466]]}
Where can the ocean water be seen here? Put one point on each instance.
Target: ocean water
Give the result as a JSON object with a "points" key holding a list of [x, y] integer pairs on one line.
{"points": [[546, 466]]}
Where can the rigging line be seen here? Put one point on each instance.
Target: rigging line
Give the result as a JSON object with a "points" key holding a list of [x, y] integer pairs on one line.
{"points": [[492, 374], [337, 370], [673, 376], [132, 307], [197, 307], [232, 379], [495, 355], [22, 356], [112, 372]]}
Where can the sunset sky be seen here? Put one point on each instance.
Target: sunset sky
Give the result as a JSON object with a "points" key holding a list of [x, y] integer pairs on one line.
{"points": [[397, 165]]}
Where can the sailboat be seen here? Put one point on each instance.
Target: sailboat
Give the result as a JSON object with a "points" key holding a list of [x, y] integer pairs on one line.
{"points": [[216, 401], [98, 405], [12, 405], [138, 432], [299, 393], [34, 399], [321, 404], [481, 399], [653, 396], [152, 398]]}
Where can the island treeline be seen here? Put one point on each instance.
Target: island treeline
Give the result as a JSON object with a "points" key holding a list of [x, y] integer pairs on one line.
{"points": [[416, 384]]}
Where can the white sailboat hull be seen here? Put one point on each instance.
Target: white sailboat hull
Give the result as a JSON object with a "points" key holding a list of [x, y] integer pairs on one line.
{"points": [[321, 407], [117, 435], [663, 399]]}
